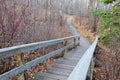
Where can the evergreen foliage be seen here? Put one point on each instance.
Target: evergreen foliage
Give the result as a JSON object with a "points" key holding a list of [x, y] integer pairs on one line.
{"points": [[110, 27], [107, 1]]}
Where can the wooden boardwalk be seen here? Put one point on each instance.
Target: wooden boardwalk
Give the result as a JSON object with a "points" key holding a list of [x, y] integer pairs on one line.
{"points": [[72, 66], [62, 67]]}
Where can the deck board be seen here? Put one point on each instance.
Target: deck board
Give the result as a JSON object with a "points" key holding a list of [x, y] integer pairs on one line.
{"points": [[62, 67]]}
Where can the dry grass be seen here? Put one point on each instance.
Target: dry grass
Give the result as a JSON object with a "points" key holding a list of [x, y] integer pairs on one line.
{"points": [[82, 29], [107, 64], [109, 67]]}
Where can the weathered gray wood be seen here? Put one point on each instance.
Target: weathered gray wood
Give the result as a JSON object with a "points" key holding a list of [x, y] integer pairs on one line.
{"points": [[66, 62], [24, 67], [71, 58], [92, 68], [58, 70], [80, 71], [11, 51], [53, 76], [76, 56], [41, 77], [63, 66]]}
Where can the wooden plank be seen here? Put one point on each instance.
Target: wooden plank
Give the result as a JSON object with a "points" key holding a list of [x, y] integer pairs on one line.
{"points": [[74, 64], [59, 69], [80, 71], [11, 51], [43, 78], [66, 62], [71, 58], [36, 77], [76, 56], [63, 66], [14, 72], [49, 75], [58, 72]]}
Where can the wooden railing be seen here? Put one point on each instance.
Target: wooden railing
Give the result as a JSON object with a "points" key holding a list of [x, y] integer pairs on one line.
{"points": [[80, 71], [21, 49]]}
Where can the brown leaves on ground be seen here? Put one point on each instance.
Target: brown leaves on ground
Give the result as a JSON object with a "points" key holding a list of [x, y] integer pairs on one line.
{"points": [[39, 68], [8, 64], [82, 29], [108, 66], [13, 62]]}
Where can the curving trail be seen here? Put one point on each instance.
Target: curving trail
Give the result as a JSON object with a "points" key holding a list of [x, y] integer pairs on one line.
{"points": [[72, 29], [83, 40], [63, 67]]}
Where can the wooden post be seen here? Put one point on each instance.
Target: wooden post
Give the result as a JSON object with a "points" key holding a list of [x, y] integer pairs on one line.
{"points": [[20, 60], [75, 42], [92, 68], [64, 44], [78, 41], [43, 53]]}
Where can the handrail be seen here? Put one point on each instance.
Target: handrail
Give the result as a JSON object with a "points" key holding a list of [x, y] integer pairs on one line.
{"points": [[11, 51], [80, 71], [8, 52]]}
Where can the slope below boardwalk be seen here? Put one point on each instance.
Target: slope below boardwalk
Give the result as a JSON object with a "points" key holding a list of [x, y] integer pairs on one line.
{"points": [[62, 67]]}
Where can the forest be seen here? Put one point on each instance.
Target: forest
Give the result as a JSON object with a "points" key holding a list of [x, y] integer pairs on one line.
{"points": [[30, 21]]}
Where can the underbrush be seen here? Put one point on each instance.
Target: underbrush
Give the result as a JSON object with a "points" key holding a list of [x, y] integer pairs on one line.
{"points": [[82, 27], [107, 65], [39, 31]]}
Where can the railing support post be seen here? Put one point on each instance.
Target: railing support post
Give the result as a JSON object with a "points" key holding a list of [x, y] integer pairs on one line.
{"points": [[92, 68], [79, 41], [64, 44], [20, 60], [75, 42]]}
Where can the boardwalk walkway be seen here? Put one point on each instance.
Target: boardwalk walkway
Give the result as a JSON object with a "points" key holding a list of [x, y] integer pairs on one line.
{"points": [[62, 67]]}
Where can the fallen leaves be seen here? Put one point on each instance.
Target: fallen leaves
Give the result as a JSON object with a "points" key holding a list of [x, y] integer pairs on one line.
{"points": [[82, 29]]}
